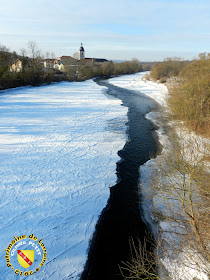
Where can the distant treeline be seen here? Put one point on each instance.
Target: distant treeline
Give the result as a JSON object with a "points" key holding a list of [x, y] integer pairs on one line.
{"points": [[33, 73], [35, 76], [109, 69], [190, 95]]}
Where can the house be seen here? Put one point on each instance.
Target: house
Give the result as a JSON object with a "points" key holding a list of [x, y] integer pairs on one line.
{"points": [[90, 61], [66, 64], [26, 64], [17, 66], [95, 61], [49, 63]]}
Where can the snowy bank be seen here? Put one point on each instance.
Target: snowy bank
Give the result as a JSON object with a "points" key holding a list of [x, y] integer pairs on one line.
{"points": [[176, 267], [156, 91], [159, 93], [58, 154], [138, 83]]}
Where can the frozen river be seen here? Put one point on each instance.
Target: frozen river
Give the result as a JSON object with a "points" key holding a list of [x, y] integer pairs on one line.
{"points": [[62, 147], [58, 154]]}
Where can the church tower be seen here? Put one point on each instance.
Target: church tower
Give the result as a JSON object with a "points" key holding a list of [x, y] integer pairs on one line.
{"points": [[81, 52]]}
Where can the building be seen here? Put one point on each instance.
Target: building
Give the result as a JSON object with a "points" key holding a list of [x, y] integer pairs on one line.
{"points": [[95, 61], [49, 63], [81, 52], [66, 64], [17, 66], [25, 64], [90, 61], [69, 65]]}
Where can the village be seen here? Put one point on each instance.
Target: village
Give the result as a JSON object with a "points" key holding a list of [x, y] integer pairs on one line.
{"points": [[62, 64], [32, 68]]}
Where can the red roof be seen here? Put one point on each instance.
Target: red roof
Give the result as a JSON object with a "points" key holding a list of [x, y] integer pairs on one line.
{"points": [[65, 57]]}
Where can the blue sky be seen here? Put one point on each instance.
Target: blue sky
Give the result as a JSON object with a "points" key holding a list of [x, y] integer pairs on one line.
{"points": [[145, 29]]}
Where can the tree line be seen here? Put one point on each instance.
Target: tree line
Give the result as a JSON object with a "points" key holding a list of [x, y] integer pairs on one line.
{"points": [[33, 72], [108, 69], [189, 98]]}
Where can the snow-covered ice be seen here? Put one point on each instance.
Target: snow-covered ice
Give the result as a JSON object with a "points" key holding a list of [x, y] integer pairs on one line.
{"points": [[58, 154], [156, 91], [138, 83]]}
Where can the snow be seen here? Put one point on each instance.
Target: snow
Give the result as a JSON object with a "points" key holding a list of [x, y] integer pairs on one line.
{"points": [[195, 147], [159, 93], [58, 154], [156, 91], [137, 82]]}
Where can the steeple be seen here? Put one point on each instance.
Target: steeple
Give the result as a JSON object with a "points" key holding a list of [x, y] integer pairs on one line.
{"points": [[81, 52]]}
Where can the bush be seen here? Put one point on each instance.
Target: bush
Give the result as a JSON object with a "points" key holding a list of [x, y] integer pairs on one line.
{"points": [[190, 101], [166, 69]]}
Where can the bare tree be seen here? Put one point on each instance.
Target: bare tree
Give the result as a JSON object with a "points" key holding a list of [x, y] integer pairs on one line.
{"points": [[23, 52], [182, 189], [47, 55], [33, 49], [4, 48], [204, 55], [6, 58], [52, 55], [180, 205], [76, 55], [142, 264]]}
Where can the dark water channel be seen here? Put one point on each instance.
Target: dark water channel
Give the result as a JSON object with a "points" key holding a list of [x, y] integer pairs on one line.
{"points": [[121, 218]]}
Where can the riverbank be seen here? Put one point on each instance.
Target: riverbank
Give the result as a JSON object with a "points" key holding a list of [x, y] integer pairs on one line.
{"points": [[157, 210], [36, 75], [189, 91]]}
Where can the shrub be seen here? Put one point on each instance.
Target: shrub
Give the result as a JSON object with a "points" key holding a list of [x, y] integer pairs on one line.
{"points": [[190, 101], [166, 69]]}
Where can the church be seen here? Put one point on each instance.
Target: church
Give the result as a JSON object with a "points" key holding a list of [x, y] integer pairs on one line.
{"points": [[90, 61]]}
